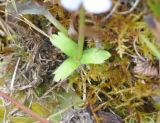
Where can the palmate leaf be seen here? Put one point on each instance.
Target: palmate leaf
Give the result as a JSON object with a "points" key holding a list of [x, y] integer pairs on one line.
{"points": [[66, 69], [65, 44], [94, 56], [69, 47], [90, 56]]}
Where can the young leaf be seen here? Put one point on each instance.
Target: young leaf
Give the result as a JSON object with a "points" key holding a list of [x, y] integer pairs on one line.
{"points": [[65, 44], [94, 56], [66, 69]]}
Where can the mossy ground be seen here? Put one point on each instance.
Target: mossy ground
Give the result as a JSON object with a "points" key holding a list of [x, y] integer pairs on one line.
{"points": [[126, 85]]}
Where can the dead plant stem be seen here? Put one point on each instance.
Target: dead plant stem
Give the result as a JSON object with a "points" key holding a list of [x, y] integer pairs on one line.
{"points": [[20, 106]]}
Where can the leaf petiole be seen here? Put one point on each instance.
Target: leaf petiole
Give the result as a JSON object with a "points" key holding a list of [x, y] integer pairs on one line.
{"points": [[81, 32]]}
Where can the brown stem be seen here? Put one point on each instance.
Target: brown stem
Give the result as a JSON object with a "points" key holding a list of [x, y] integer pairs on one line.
{"points": [[20, 106]]}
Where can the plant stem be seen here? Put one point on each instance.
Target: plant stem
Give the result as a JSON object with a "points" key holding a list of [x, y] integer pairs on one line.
{"points": [[56, 23], [81, 32]]}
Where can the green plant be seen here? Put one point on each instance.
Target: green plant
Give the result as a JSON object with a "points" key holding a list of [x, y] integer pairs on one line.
{"points": [[69, 47], [154, 6], [76, 57]]}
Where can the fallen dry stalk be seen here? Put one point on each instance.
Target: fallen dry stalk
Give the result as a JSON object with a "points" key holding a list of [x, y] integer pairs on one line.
{"points": [[20, 106]]}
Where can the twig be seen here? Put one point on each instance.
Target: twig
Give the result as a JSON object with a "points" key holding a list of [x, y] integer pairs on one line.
{"points": [[20, 106]]}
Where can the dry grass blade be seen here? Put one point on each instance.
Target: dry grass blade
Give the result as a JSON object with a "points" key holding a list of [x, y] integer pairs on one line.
{"points": [[35, 8], [14, 74], [6, 28], [34, 27]]}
